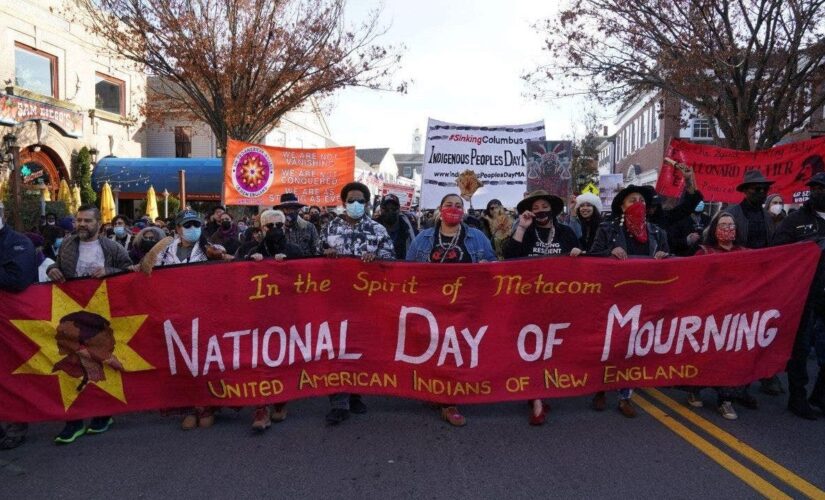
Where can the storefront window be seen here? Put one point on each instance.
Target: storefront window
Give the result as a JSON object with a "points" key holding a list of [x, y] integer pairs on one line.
{"points": [[109, 94], [35, 70]]}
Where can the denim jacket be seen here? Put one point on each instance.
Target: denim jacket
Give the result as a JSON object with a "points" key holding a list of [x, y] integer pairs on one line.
{"points": [[476, 243]]}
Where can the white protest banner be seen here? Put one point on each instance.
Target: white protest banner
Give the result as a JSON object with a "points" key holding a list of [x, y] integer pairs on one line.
{"points": [[496, 155], [405, 193], [609, 185]]}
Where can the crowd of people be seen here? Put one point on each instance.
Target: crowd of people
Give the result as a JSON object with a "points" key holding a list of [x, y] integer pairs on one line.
{"points": [[637, 225]]}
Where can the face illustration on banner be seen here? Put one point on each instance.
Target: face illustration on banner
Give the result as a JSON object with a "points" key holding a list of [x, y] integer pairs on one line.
{"points": [[83, 346], [86, 341], [252, 172]]}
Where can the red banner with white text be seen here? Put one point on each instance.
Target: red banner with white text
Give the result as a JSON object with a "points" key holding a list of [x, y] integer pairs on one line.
{"points": [[718, 170], [248, 333]]}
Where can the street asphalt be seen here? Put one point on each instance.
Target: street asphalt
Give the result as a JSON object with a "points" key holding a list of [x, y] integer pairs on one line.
{"points": [[401, 449]]}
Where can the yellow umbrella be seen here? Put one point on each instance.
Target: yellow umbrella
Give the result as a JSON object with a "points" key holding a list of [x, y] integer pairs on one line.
{"points": [[107, 203], [76, 202], [151, 203], [47, 195], [64, 194]]}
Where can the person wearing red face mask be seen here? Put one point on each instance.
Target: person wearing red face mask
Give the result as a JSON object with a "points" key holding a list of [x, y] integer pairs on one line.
{"points": [[720, 237], [451, 241], [628, 235]]}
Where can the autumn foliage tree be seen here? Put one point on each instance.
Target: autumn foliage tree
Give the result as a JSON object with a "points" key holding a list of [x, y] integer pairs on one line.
{"points": [[754, 67], [239, 65]]}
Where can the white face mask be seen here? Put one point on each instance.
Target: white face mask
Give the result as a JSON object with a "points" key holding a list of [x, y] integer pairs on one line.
{"points": [[775, 209]]}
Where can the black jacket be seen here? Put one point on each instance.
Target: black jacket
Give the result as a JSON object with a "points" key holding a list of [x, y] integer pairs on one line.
{"points": [[742, 224], [804, 224], [610, 235], [18, 268], [665, 219], [678, 233]]}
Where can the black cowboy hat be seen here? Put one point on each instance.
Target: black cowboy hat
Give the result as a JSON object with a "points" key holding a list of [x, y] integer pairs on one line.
{"points": [[753, 177], [289, 200], [646, 191], [556, 203]]}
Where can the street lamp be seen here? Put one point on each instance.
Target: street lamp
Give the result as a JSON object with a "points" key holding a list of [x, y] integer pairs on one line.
{"points": [[93, 153], [43, 188], [12, 152]]}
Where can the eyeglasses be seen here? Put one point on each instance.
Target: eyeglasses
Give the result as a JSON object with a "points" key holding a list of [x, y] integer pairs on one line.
{"points": [[727, 226], [191, 224], [361, 201]]}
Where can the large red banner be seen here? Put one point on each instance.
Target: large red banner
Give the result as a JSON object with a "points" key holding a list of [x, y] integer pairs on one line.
{"points": [[719, 170], [248, 333]]}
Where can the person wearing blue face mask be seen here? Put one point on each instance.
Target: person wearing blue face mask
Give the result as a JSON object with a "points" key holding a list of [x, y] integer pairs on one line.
{"points": [[685, 235], [188, 246], [122, 232], [354, 235], [298, 231]]}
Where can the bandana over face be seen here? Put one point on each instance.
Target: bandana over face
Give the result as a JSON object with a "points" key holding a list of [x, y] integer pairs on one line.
{"points": [[635, 221]]}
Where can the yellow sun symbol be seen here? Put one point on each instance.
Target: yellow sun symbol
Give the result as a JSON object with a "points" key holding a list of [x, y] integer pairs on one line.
{"points": [[43, 334], [252, 172]]}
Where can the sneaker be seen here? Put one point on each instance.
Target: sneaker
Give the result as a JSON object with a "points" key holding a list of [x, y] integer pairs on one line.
{"points": [[189, 422], [71, 432], [10, 443], [626, 408], [336, 416], [747, 400], [694, 401], [600, 401], [356, 405], [99, 425], [771, 386], [279, 412], [726, 410], [262, 420], [453, 416]]}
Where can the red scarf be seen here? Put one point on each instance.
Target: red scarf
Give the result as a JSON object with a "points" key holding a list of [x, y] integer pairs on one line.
{"points": [[635, 221]]}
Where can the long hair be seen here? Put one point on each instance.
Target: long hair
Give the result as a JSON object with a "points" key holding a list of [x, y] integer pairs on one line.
{"points": [[589, 227], [709, 235]]}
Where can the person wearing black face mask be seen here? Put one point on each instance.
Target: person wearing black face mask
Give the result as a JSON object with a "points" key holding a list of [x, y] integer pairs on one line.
{"points": [[298, 231], [144, 241], [538, 233], [274, 243], [226, 234], [807, 223], [400, 229], [755, 229]]}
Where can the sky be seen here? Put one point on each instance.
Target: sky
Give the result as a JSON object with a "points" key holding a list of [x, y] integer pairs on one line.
{"points": [[464, 59]]}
